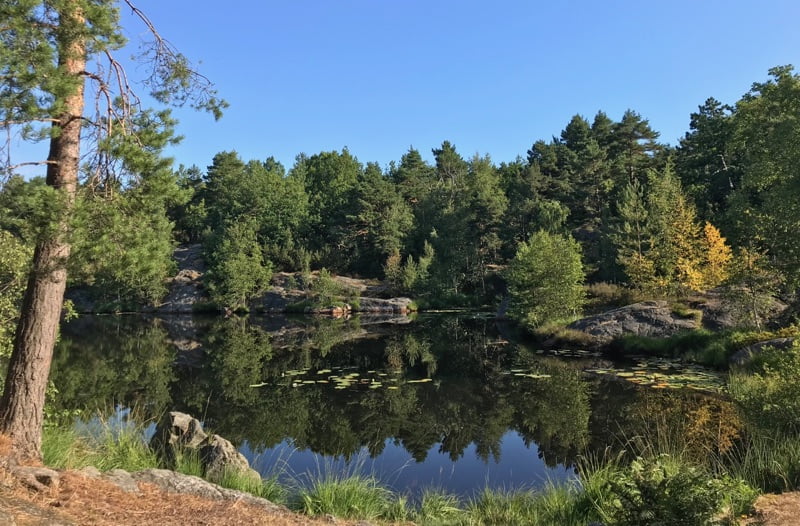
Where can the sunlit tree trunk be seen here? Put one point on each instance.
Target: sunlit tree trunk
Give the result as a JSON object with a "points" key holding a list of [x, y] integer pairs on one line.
{"points": [[22, 403]]}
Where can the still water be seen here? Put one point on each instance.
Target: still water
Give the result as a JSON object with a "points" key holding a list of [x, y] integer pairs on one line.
{"points": [[450, 401]]}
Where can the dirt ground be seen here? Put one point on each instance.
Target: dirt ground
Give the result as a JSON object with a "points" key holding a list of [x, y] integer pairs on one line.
{"points": [[777, 510], [81, 500]]}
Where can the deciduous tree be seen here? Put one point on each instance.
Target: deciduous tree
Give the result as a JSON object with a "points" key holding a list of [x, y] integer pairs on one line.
{"points": [[546, 279]]}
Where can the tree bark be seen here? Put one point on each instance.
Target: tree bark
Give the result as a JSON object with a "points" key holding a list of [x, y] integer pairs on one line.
{"points": [[22, 403]]}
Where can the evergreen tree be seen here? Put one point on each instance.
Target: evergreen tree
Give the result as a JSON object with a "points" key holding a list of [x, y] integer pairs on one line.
{"points": [[633, 148], [380, 222], [45, 60], [707, 161], [633, 238], [237, 269], [330, 180]]}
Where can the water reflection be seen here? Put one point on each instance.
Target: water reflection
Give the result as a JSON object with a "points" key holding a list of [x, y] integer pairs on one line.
{"points": [[442, 400]]}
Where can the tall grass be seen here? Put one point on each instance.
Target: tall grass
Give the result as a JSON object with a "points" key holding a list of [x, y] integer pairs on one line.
{"points": [[100, 443], [766, 460], [187, 461], [437, 507], [350, 496]]}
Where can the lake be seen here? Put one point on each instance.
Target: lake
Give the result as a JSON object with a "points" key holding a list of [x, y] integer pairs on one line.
{"points": [[447, 401]]}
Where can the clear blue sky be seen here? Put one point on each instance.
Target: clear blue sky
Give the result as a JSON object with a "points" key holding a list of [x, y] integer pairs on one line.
{"points": [[378, 76]]}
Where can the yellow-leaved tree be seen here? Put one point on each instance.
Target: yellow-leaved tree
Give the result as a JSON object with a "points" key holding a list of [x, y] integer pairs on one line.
{"points": [[717, 255]]}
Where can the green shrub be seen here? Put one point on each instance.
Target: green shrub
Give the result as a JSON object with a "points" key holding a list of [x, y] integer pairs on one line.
{"points": [[663, 490], [770, 397], [545, 280]]}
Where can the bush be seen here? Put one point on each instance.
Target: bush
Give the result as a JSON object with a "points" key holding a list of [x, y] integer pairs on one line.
{"points": [[546, 280], [663, 490], [770, 397]]}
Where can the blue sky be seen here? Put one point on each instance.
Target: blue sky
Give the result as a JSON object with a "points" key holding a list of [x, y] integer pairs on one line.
{"points": [[378, 76]]}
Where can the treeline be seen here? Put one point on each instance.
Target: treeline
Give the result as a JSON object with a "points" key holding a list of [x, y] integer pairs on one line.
{"points": [[646, 214]]}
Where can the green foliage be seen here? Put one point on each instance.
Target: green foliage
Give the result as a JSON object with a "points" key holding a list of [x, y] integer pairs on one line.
{"points": [[753, 283], [14, 262], [237, 269], [546, 279], [324, 292], [770, 396], [122, 250], [29, 209], [664, 490], [763, 209]]}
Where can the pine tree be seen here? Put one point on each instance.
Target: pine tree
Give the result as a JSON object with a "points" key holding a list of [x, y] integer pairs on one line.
{"points": [[633, 238], [45, 63]]}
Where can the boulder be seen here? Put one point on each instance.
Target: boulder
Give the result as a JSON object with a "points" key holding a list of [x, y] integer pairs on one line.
{"points": [[173, 482], [186, 287], [720, 314], [176, 431], [122, 479], [744, 355], [395, 305], [218, 455], [648, 318]]}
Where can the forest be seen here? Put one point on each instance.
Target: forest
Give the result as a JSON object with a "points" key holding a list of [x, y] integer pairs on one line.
{"points": [[623, 208]]}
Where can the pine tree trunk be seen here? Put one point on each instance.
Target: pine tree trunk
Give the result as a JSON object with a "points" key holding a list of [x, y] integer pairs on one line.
{"points": [[22, 403]]}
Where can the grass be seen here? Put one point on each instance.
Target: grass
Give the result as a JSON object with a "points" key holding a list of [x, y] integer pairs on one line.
{"points": [[701, 346], [248, 482], [103, 444], [187, 461], [350, 496], [437, 507], [768, 461]]}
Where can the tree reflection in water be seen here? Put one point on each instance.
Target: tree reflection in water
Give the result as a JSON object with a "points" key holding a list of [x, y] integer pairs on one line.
{"points": [[481, 389]]}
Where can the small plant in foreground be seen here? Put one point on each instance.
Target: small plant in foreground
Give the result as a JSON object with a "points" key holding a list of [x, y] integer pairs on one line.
{"points": [[665, 490], [349, 496], [437, 507]]}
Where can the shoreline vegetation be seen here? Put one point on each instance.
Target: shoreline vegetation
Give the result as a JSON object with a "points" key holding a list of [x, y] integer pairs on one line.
{"points": [[652, 486]]}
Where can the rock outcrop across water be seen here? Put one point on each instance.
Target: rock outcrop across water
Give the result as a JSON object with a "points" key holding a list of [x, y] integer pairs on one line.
{"points": [[186, 287], [648, 318]]}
